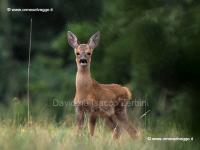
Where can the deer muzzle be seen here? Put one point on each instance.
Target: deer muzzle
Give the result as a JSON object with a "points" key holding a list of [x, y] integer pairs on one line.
{"points": [[83, 62]]}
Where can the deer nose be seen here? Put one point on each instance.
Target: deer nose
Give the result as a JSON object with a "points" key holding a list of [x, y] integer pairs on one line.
{"points": [[83, 60]]}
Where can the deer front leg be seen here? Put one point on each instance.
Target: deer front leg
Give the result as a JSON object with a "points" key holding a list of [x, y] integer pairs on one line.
{"points": [[91, 123], [80, 117]]}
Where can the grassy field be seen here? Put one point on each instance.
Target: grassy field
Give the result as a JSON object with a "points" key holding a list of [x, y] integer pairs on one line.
{"points": [[50, 136]]}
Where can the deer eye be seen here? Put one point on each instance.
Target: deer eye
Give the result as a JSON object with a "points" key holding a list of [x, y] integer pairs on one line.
{"points": [[88, 53], [77, 53]]}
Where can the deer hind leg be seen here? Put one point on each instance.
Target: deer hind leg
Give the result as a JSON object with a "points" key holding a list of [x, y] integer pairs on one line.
{"points": [[122, 118], [113, 126], [91, 123]]}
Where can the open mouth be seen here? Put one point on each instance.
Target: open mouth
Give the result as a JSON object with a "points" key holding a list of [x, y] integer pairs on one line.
{"points": [[83, 62]]}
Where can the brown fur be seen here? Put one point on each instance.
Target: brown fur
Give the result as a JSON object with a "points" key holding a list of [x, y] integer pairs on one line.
{"points": [[108, 101]]}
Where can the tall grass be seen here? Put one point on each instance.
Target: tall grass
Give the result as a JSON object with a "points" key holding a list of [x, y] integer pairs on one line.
{"points": [[51, 136], [44, 133]]}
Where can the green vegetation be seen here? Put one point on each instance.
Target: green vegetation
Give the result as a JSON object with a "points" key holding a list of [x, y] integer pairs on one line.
{"points": [[150, 46], [50, 136]]}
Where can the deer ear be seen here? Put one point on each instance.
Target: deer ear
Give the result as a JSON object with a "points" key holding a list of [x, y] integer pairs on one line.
{"points": [[94, 40], [72, 39]]}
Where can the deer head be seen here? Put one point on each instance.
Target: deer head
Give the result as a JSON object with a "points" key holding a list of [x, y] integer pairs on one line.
{"points": [[83, 52]]}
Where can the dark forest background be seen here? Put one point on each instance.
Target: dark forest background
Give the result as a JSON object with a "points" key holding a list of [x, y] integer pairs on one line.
{"points": [[151, 46]]}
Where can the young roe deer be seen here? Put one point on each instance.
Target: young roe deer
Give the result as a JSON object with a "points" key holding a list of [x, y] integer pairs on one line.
{"points": [[108, 101]]}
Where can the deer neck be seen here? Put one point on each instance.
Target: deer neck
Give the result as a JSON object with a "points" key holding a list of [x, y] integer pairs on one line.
{"points": [[83, 82]]}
